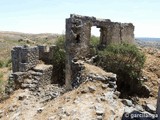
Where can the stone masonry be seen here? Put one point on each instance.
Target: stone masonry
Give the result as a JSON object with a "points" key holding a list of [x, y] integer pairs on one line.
{"points": [[32, 67], [78, 33], [77, 43], [24, 58], [46, 53]]}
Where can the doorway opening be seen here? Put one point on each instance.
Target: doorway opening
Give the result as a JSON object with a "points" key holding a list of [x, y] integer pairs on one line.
{"points": [[94, 40], [95, 36]]}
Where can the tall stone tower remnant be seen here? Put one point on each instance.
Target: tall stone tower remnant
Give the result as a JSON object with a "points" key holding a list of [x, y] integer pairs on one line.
{"points": [[78, 33]]}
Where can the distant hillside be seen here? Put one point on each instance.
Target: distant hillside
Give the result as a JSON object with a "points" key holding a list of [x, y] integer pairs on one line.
{"points": [[148, 42], [5, 35], [148, 39], [10, 39]]}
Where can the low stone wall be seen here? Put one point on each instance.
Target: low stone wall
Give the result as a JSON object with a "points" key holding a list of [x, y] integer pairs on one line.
{"points": [[28, 70], [24, 58], [45, 74], [46, 53], [39, 76]]}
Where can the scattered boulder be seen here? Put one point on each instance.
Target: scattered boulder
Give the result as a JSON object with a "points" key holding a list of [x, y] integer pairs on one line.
{"points": [[117, 93], [1, 113], [150, 108], [99, 117], [158, 73], [92, 88], [127, 102], [99, 112], [104, 86], [139, 108], [22, 97], [40, 110], [51, 118], [12, 108], [84, 90]]}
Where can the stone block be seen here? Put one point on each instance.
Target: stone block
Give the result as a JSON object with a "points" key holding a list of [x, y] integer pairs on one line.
{"points": [[46, 74]]}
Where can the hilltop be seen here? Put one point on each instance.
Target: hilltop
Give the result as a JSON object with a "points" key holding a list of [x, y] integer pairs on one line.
{"points": [[92, 99]]}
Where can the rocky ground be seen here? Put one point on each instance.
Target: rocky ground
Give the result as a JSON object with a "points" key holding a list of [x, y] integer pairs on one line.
{"points": [[151, 70], [95, 99]]}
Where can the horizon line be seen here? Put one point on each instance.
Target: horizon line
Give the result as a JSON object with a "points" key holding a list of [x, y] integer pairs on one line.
{"points": [[1, 31]]}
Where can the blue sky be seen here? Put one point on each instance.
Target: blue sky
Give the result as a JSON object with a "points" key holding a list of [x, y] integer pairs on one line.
{"points": [[39, 16]]}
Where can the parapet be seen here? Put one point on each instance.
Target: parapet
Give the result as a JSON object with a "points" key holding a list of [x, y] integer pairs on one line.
{"points": [[28, 69], [24, 58], [46, 53]]}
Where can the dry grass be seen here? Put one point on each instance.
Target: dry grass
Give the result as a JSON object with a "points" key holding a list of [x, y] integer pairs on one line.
{"points": [[151, 69], [8, 40], [96, 70]]}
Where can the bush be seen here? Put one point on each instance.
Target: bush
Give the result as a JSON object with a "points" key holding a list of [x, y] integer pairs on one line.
{"points": [[1, 83], [6, 63], [1, 64], [126, 61], [59, 61], [94, 42], [1, 75], [60, 41]]}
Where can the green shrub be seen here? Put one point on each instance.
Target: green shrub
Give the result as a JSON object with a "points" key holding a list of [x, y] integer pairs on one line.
{"points": [[60, 41], [1, 63], [6, 63], [59, 61], [1, 83], [1, 75], [1, 87], [94, 41], [126, 61]]}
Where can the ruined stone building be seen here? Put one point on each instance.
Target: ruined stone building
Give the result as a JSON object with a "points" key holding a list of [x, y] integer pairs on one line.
{"points": [[78, 33], [27, 69], [32, 66]]}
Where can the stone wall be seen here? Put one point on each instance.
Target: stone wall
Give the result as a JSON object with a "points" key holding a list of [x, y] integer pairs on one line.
{"points": [[78, 33], [39, 76], [24, 58], [46, 53], [28, 70]]}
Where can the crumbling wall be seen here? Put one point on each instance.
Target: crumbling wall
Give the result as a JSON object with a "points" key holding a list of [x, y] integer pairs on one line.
{"points": [[24, 58], [46, 53], [78, 33], [28, 71]]}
